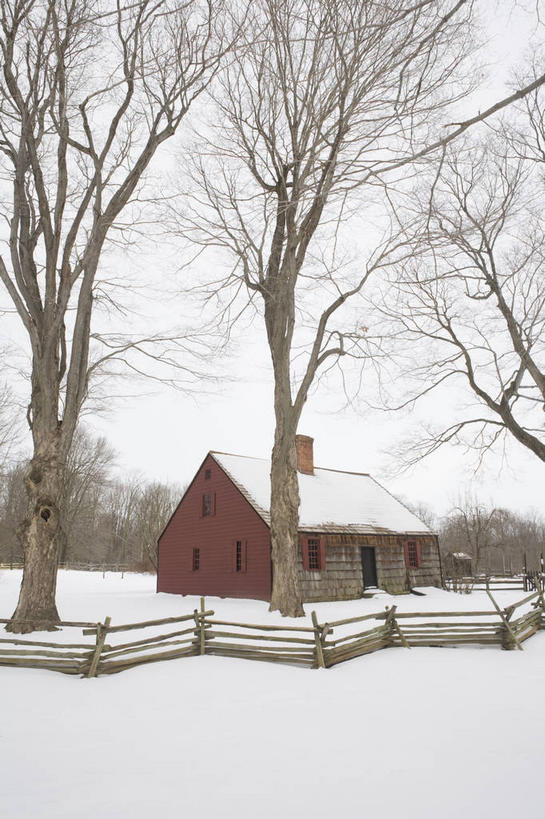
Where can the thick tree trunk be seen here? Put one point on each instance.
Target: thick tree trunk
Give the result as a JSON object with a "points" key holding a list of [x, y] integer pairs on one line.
{"points": [[40, 539], [286, 594]]}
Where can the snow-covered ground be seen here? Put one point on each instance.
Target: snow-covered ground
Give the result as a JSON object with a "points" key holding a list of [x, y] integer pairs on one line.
{"points": [[415, 734]]}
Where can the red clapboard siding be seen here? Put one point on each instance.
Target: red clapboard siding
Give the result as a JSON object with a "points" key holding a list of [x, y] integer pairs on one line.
{"points": [[215, 536]]}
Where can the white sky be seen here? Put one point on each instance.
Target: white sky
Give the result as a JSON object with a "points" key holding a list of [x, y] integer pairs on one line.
{"points": [[165, 435]]}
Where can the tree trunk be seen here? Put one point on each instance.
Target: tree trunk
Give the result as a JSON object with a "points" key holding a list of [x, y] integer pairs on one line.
{"points": [[286, 594], [40, 537]]}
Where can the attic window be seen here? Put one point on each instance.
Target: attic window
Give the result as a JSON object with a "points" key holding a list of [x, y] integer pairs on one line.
{"points": [[207, 474], [208, 504], [238, 556], [413, 558], [196, 560]]}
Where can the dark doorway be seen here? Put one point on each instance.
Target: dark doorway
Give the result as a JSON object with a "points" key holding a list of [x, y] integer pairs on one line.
{"points": [[369, 566]]}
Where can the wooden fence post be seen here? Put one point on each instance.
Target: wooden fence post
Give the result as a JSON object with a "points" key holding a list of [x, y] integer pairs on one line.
{"points": [[541, 604], [197, 631], [509, 637], [391, 621], [318, 642], [102, 631], [200, 630], [203, 629]]}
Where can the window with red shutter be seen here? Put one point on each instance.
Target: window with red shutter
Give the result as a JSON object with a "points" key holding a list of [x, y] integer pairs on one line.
{"points": [[313, 550], [313, 545], [412, 554], [304, 551], [322, 553]]}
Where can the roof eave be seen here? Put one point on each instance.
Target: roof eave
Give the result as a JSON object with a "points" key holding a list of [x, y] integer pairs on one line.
{"points": [[336, 529]]}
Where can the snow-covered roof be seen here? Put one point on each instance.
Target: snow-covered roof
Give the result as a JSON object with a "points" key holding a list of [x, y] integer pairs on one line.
{"points": [[331, 501]]}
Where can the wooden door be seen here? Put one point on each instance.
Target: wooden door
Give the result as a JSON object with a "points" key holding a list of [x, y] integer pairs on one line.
{"points": [[369, 566]]}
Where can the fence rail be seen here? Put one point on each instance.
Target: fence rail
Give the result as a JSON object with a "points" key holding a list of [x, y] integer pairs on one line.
{"points": [[75, 566], [527, 581], [321, 645]]}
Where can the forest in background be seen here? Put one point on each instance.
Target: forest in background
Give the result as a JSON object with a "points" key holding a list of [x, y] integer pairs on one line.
{"points": [[109, 520], [114, 521]]}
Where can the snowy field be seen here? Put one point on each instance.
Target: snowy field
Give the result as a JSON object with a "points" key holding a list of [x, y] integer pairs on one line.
{"points": [[394, 735]]}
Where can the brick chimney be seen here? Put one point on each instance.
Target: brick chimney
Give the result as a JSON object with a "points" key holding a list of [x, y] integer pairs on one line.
{"points": [[305, 454]]}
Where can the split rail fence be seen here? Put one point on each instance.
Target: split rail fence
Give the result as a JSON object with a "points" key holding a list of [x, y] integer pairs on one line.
{"points": [[88, 566], [529, 581], [320, 645]]}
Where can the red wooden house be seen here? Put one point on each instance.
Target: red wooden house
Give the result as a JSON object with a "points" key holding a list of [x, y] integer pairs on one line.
{"points": [[353, 534]]}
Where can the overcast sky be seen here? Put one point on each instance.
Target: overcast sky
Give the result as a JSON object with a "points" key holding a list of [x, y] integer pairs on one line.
{"points": [[164, 435]]}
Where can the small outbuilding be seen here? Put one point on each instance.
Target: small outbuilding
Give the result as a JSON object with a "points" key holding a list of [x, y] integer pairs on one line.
{"points": [[353, 534], [458, 564]]}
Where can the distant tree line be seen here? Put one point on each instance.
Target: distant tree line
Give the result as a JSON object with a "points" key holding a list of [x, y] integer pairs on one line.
{"points": [[480, 538], [108, 521], [498, 541], [111, 521]]}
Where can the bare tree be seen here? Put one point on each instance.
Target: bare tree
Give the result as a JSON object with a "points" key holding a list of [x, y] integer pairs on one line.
{"points": [[497, 539], [134, 513], [325, 95], [12, 502], [88, 94], [155, 506], [422, 511], [85, 480], [120, 507], [106, 520], [470, 304], [10, 426], [472, 527]]}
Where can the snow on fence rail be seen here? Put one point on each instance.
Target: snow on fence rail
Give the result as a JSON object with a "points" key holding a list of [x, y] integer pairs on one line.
{"points": [[317, 646]]}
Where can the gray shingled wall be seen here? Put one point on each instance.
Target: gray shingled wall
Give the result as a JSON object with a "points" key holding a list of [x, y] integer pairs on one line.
{"points": [[342, 578]]}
